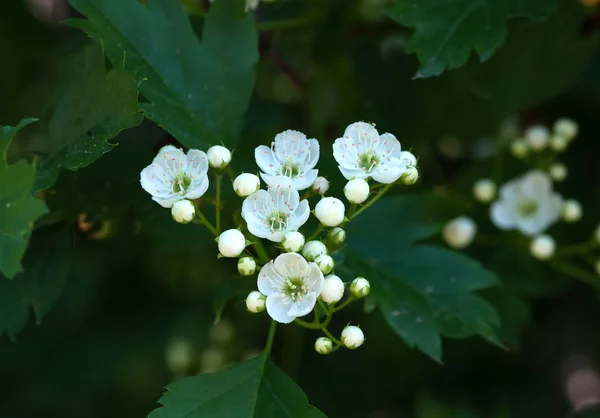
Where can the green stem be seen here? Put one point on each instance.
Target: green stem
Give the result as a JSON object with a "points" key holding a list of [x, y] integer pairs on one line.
{"points": [[317, 233], [218, 180], [352, 209], [308, 325], [343, 305], [261, 252], [574, 271], [331, 337], [370, 202], [270, 337], [577, 249], [201, 220]]}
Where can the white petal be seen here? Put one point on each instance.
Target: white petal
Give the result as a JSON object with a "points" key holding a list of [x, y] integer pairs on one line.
{"points": [[276, 181], [531, 226], [268, 280], [314, 153], [389, 146], [285, 198], [345, 153], [264, 159], [301, 215], [315, 279], [536, 183], [155, 181], [388, 172], [255, 209], [277, 309], [502, 215], [510, 190], [304, 306], [358, 130], [356, 173], [167, 202], [171, 159], [198, 187], [291, 265], [306, 180]]}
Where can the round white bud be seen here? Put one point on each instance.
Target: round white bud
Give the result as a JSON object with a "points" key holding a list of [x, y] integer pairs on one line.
{"points": [[352, 337], [519, 148], [320, 185], [231, 243], [183, 211], [542, 247], [357, 191], [333, 289], [246, 266], [179, 356], [571, 210], [218, 157], [558, 172], [410, 175], [537, 137], [293, 241], [336, 237], [313, 249], [330, 211], [558, 143], [360, 287], [323, 345], [255, 302], [325, 263], [567, 128], [245, 184], [484, 190], [409, 158], [459, 232]]}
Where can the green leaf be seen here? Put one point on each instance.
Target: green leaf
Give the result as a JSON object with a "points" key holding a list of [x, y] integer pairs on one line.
{"points": [[47, 265], [18, 209], [514, 315], [198, 92], [254, 389], [447, 31], [92, 107]]}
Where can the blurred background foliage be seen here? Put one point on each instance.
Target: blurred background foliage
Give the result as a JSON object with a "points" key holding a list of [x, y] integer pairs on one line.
{"points": [[128, 289]]}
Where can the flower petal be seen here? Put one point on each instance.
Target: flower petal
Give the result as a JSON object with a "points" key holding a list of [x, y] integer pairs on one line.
{"points": [[313, 157], [502, 215], [389, 146], [388, 172], [306, 180], [198, 187], [278, 310], [291, 265], [167, 202], [268, 280], [315, 279], [171, 159], [303, 306], [197, 163], [345, 153], [264, 159], [154, 180], [355, 173], [300, 217]]}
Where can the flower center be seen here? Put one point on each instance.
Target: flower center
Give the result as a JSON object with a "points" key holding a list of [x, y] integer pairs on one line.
{"points": [[181, 182], [295, 289], [368, 160], [528, 208], [276, 221], [289, 168]]}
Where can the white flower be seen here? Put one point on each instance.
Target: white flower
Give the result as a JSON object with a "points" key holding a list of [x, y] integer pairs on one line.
{"points": [[363, 153], [292, 155], [459, 232], [571, 211], [175, 176], [333, 289], [519, 148], [336, 237], [246, 266], [245, 184], [255, 302], [313, 249], [527, 204], [293, 242], [183, 211], [357, 191], [330, 211], [360, 287], [179, 355], [231, 243], [291, 285], [484, 190], [558, 143], [410, 175], [251, 5], [558, 171], [222, 332], [537, 137], [323, 345], [218, 157], [352, 337], [325, 263], [542, 247], [271, 214], [321, 185], [567, 128]]}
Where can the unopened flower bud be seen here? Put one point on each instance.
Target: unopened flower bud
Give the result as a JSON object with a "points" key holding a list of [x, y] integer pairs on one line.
{"points": [[571, 210], [218, 157], [179, 356], [484, 190], [333, 289], [183, 211], [330, 211], [255, 302], [542, 247], [360, 287], [245, 184], [409, 159], [293, 241], [410, 175], [320, 185], [323, 345], [313, 249], [212, 360], [357, 191], [537, 137], [221, 332], [567, 128], [246, 266], [336, 237], [325, 263], [558, 172], [352, 337], [519, 148], [558, 143], [459, 232], [231, 243]]}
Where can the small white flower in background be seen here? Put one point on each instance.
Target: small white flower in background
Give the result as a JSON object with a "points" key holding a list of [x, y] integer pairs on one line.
{"points": [[336, 237], [273, 213], [179, 355], [291, 286], [212, 360], [571, 210], [218, 157], [484, 190], [558, 143], [323, 345], [325, 263], [246, 266], [245, 184], [292, 155], [255, 302], [558, 172], [321, 185], [333, 289], [459, 232], [183, 211], [222, 332], [567, 128], [537, 136], [352, 337], [519, 148], [231, 243], [313, 249], [357, 191], [527, 204], [174, 175], [363, 153], [410, 176], [542, 247], [293, 242], [330, 211], [360, 287]]}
